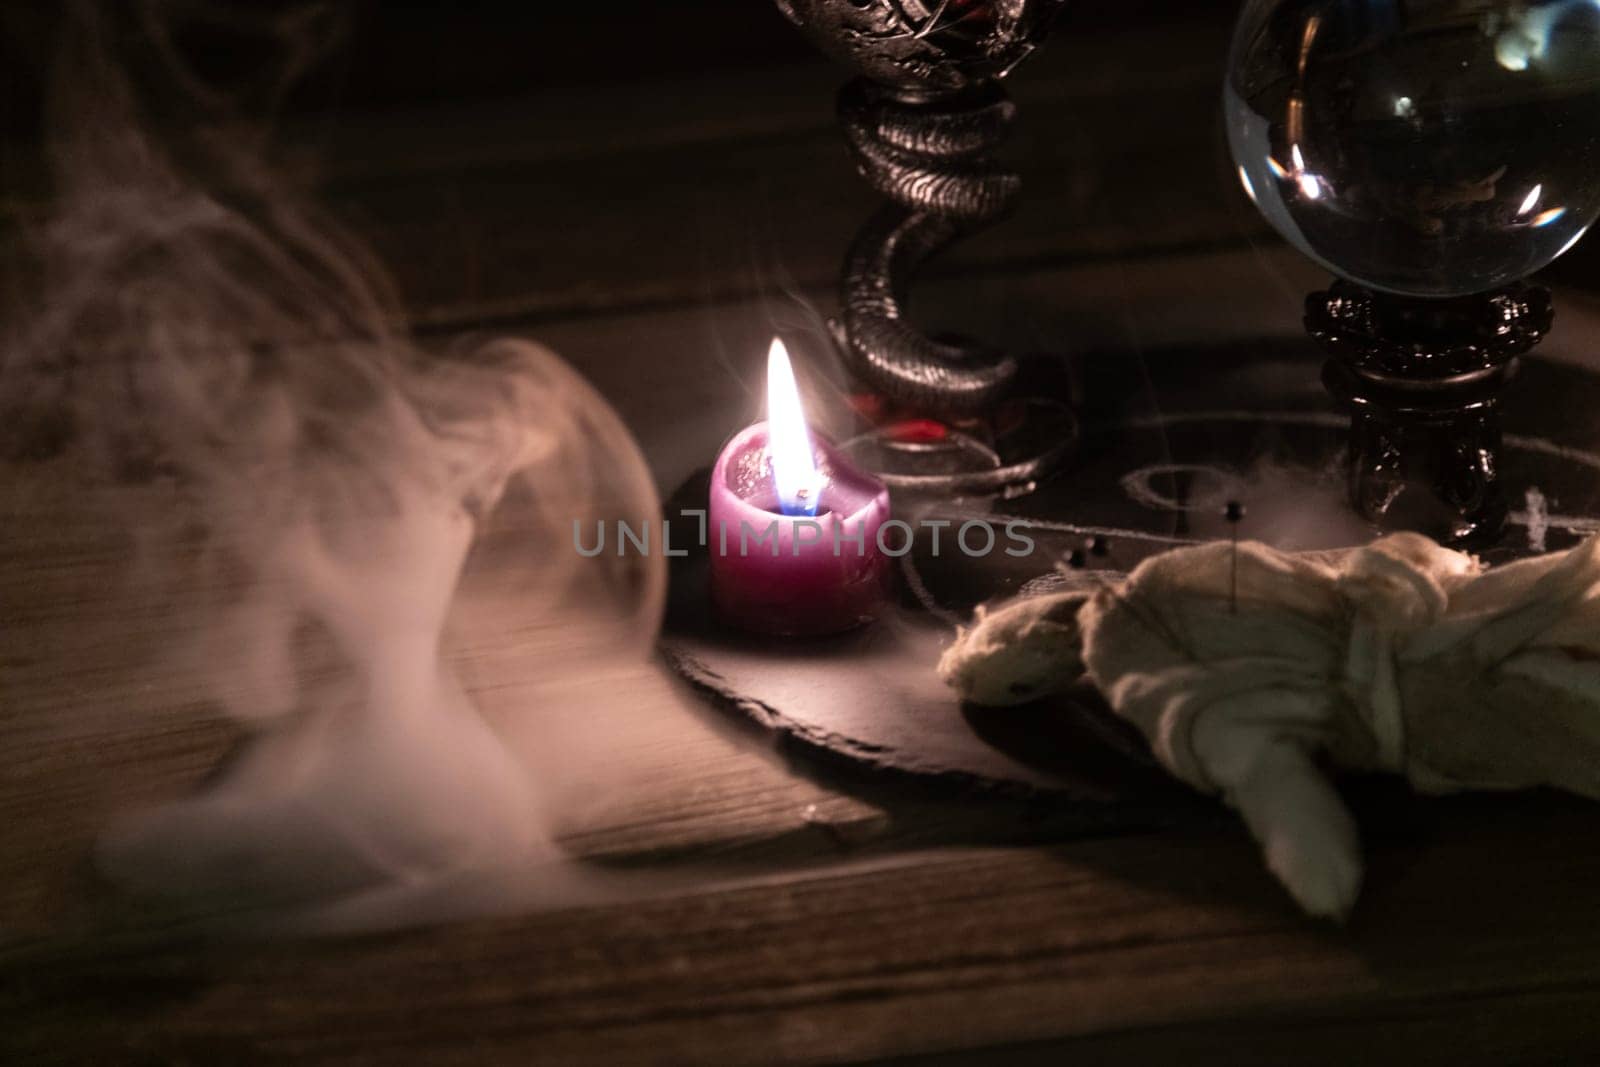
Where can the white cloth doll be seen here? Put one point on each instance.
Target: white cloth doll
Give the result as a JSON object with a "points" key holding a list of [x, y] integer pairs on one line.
{"points": [[1401, 657]]}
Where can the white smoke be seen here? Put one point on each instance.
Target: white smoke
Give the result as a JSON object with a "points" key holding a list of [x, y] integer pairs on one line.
{"points": [[209, 368]]}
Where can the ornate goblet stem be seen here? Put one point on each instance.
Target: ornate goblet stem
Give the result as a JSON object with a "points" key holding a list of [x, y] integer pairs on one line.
{"points": [[932, 160], [1422, 379], [923, 120]]}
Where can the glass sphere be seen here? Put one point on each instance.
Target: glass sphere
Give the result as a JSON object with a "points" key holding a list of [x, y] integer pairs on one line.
{"points": [[1425, 147]]}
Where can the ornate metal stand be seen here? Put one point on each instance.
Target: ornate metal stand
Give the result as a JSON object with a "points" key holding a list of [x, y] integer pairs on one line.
{"points": [[1422, 379], [931, 159], [923, 122]]}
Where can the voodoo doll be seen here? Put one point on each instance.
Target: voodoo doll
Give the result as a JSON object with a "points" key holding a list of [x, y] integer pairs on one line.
{"points": [[1250, 670]]}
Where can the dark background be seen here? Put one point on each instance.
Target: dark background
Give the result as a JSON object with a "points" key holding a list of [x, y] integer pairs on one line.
{"points": [[398, 55], [380, 60]]}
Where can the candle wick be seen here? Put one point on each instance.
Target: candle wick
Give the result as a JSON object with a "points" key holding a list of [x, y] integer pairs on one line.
{"points": [[801, 505]]}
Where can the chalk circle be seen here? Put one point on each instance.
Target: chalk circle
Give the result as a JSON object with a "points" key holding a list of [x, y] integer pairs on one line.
{"points": [[1208, 487]]}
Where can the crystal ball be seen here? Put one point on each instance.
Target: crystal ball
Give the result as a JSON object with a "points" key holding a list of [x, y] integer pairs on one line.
{"points": [[1425, 147]]}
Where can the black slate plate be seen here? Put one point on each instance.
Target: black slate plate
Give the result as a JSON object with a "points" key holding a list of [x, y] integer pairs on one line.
{"points": [[1253, 426]]}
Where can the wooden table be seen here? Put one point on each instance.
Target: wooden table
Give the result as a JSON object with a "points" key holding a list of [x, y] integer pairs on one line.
{"points": [[749, 911]]}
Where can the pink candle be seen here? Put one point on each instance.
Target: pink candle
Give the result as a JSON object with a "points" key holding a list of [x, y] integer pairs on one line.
{"points": [[793, 527]]}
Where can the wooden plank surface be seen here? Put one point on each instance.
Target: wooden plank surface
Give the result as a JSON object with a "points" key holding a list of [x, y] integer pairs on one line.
{"points": [[1465, 951], [603, 197], [743, 185]]}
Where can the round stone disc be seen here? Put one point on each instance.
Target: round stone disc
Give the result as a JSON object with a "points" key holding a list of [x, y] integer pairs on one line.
{"points": [[1252, 427]]}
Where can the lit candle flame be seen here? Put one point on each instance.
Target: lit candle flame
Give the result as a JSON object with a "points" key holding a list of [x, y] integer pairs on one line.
{"points": [[794, 466]]}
